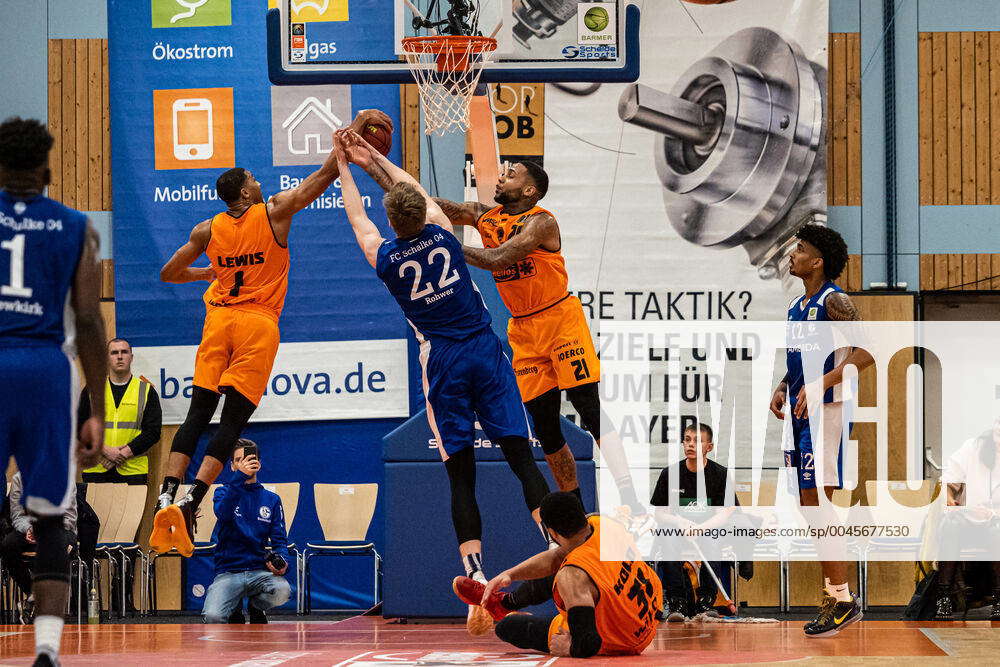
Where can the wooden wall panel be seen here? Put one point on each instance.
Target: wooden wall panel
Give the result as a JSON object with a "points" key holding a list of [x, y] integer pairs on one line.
{"points": [[959, 117], [79, 120], [409, 118], [844, 120], [850, 279], [967, 272]]}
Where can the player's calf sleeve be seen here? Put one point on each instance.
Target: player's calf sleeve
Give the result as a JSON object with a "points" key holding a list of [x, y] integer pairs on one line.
{"points": [[51, 549], [203, 404], [461, 468], [585, 641], [236, 412], [517, 450], [544, 411]]}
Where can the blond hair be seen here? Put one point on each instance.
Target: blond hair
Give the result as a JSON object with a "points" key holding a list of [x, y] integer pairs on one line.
{"points": [[406, 208]]}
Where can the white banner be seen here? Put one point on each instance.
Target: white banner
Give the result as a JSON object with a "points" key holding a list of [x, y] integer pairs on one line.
{"points": [[358, 379], [678, 197]]}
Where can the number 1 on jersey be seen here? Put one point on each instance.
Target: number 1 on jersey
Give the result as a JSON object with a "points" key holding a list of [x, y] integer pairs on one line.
{"points": [[16, 286]]}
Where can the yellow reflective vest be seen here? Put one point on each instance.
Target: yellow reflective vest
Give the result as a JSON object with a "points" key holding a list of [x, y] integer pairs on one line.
{"points": [[122, 423]]}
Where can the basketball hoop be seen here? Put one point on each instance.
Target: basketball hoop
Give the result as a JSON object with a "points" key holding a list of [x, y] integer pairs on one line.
{"points": [[447, 69]]}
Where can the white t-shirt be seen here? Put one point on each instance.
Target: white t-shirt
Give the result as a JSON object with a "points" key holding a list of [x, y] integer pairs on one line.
{"points": [[965, 467]]}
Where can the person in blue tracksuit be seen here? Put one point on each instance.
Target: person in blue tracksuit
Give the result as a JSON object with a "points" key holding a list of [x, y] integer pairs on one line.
{"points": [[251, 523]]}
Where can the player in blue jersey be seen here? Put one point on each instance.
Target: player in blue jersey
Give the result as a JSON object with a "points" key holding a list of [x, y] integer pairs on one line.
{"points": [[818, 259], [49, 305], [465, 371]]}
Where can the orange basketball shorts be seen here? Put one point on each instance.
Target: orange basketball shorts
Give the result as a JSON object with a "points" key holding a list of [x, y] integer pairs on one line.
{"points": [[553, 348], [237, 350]]}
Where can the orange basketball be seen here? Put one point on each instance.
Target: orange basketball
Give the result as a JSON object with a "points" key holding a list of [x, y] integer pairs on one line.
{"points": [[379, 136]]}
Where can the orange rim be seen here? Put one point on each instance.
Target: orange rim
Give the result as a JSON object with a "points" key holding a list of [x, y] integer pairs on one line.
{"points": [[439, 44]]}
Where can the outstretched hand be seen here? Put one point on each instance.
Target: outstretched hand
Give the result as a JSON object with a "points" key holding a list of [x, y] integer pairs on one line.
{"points": [[502, 580], [356, 148]]}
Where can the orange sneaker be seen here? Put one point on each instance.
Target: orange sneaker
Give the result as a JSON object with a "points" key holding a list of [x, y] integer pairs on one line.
{"points": [[173, 527]]}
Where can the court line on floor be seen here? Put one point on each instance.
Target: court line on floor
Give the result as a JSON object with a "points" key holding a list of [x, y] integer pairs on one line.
{"points": [[942, 644], [271, 659]]}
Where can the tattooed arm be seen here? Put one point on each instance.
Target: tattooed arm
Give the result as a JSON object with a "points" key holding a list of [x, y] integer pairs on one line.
{"points": [[839, 308], [462, 213], [540, 229]]}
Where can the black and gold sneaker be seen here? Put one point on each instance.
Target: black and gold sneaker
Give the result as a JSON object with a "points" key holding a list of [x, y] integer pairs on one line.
{"points": [[833, 617]]}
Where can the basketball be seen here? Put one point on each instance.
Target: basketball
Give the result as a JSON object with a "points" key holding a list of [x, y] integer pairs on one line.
{"points": [[596, 18], [379, 136]]}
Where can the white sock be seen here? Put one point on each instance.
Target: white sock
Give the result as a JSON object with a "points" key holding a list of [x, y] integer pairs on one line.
{"points": [[473, 563], [549, 542], [48, 634], [840, 591]]}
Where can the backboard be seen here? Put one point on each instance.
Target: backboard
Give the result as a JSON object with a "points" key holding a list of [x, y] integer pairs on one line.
{"points": [[358, 41]]}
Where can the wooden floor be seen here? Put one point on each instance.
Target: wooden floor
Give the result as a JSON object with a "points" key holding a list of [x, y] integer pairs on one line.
{"points": [[368, 641]]}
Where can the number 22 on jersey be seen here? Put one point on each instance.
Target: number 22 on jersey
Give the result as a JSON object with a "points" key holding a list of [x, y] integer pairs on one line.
{"points": [[447, 277]]}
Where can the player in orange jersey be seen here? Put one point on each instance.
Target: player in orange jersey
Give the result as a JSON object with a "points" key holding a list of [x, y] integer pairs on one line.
{"points": [[605, 607], [548, 332], [247, 246]]}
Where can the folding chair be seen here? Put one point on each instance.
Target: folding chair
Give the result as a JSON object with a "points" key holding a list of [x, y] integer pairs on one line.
{"points": [[109, 503], [345, 512], [289, 494]]}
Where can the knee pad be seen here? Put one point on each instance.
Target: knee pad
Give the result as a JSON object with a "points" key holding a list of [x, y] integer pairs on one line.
{"points": [[51, 552], [586, 401], [544, 412], [465, 515]]}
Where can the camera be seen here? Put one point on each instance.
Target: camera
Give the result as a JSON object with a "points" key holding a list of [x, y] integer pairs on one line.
{"points": [[276, 561]]}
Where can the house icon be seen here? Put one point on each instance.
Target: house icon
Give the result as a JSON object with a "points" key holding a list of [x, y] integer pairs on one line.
{"points": [[308, 128]]}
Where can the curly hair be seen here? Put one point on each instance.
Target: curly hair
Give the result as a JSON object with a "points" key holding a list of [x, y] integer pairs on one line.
{"points": [[24, 144], [831, 247]]}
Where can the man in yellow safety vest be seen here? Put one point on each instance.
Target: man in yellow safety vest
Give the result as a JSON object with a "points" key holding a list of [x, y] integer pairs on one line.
{"points": [[132, 420]]}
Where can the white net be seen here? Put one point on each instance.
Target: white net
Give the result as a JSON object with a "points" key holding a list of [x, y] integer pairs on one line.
{"points": [[447, 70]]}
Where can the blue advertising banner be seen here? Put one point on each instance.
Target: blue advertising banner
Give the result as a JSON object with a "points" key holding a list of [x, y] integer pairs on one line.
{"points": [[190, 98]]}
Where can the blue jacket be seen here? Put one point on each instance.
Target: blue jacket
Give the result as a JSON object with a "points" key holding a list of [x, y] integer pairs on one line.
{"points": [[249, 518]]}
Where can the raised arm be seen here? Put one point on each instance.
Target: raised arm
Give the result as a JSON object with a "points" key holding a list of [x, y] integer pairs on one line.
{"points": [[178, 268], [540, 228], [361, 152], [462, 213], [365, 232], [387, 174], [282, 206], [91, 343]]}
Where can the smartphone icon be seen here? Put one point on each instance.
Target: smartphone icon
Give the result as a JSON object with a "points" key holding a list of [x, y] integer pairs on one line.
{"points": [[192, 121]]}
